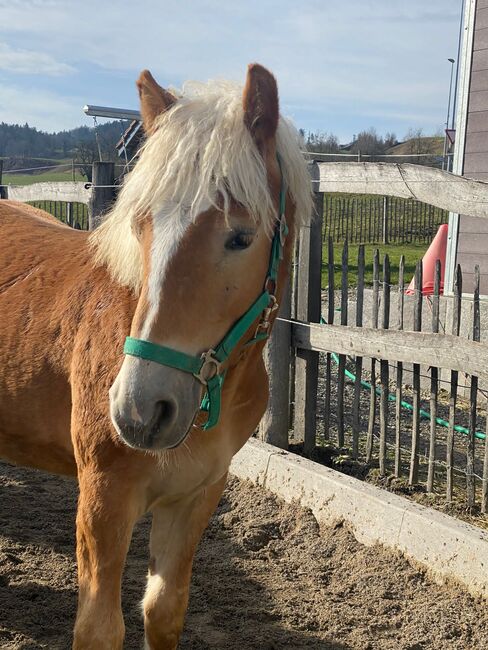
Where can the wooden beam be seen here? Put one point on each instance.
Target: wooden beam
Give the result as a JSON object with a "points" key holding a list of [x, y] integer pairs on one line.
{"points": [[64, 191], [103, 195], [425, 348], [275, 423], [3, 190], [434, 186]]}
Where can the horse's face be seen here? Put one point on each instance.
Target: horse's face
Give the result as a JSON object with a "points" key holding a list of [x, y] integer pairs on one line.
{"points": [[200, 276]]}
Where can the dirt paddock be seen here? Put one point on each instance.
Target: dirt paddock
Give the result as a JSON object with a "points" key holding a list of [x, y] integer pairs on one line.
{"points": [[265, 577]]}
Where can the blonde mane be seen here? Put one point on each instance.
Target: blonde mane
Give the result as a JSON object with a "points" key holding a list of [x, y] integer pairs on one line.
{"points": [[200, 150]]}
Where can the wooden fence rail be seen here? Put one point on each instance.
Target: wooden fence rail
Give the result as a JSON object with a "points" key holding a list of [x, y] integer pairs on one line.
{"points": [[66, 200], [429, 349]]}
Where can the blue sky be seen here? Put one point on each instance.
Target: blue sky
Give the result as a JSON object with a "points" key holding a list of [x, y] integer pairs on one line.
{"points": [[342, 65]]}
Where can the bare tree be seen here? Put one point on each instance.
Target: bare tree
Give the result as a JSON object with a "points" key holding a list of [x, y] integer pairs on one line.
{"points": [[368, 143], [320, 142], [85, 154]]}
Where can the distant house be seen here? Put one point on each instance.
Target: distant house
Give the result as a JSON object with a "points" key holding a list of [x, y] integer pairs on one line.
{"points": [[468, 236]]}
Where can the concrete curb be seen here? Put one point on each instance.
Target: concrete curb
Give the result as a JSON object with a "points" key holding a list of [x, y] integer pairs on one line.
{"points": [[448, 548]]}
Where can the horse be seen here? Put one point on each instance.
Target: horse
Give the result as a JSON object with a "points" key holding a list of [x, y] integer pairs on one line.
{"points": [[190, 261]]}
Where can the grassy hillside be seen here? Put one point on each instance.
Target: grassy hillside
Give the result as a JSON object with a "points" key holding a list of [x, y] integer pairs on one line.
{"points": [[431, 144]]}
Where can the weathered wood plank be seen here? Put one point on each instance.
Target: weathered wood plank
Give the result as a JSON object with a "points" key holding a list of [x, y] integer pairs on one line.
{"points": [[434, 383], [330, 320], [399, 371], [103, 192], [273, 427], [309, 308], [417, 326], [342, 357], [484, 486], [441, 350], [433, 186], [384, 373], [372, 394], [356, 406], [470, 479], [456, 324], [3, 190], [77, 192]]}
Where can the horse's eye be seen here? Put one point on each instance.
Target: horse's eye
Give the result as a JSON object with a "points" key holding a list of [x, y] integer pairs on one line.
{"points": [[238, 241]]}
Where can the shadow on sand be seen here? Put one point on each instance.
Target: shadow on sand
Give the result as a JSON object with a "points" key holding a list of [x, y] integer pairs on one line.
{"points": [[228, 609]]}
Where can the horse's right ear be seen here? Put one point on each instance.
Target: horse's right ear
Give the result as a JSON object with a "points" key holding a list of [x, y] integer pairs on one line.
{"points": [[154, 99]]}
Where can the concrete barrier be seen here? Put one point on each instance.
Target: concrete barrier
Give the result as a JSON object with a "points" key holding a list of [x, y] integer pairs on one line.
{"points": [[449, 549]]}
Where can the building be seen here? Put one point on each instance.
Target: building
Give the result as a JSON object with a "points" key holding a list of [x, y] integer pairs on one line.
{"points": [[468, 236]]}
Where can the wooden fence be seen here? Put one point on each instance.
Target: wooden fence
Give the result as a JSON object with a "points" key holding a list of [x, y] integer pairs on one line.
{"points": [[382, 420], [79, 204], [370, 219], [387, 422]]}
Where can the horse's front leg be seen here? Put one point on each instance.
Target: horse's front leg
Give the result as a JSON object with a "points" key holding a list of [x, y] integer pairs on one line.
{"points": [[176, 531], [107, 512]]}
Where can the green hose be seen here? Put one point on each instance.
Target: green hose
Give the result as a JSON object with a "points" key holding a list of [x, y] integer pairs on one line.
{"points": [[392, 398]]}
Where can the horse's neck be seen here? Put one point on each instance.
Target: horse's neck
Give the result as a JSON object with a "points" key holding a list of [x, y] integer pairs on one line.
{"points": [[102, 309]]}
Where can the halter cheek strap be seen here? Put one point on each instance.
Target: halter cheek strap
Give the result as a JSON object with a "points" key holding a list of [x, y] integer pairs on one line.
{"points": [[208, 368]]}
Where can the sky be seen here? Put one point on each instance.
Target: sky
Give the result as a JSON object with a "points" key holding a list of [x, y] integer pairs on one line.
{"points": [[342, 65]]}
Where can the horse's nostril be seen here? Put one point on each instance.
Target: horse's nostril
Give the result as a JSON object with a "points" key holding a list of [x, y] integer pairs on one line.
{"points": [[163, 414]]}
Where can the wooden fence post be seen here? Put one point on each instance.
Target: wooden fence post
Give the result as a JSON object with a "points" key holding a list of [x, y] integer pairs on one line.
{"points": [[385, 220], [273, 427], [417, 327], [103, 193], [308, 309], [3, 190]]}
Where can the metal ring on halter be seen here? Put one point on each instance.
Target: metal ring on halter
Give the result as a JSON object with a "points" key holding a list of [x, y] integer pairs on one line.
{"points": [[209, 363]]}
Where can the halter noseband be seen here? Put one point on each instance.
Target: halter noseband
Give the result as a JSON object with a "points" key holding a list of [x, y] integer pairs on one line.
{"points": [[208, 367]]}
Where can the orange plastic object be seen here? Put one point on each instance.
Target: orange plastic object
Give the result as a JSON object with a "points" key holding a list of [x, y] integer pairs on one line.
{"points": [[436, 251]]}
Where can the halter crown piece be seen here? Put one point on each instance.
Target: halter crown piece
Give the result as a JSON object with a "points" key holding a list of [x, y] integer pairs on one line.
{"points": [[208, 367]]}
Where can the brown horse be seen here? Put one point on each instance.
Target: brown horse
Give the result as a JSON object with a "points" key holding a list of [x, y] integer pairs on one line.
{"points": [[178, 260]]}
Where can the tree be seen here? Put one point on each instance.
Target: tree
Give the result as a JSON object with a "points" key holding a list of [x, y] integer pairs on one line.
{"points": [[322, 142], [85, 154], [390, 140], [368, 143]]}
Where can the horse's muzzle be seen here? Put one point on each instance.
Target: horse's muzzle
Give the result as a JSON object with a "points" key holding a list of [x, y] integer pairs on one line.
{"points": [[153, 407]]}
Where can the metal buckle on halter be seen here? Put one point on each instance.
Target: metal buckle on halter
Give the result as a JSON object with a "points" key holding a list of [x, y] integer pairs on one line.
{"points": [[264, 323], [210, 367]]}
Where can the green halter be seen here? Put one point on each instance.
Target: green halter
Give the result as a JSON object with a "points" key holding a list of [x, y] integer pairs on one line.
{"points": [[208, 367]]}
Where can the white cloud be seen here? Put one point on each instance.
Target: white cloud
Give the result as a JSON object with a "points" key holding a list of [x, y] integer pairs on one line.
{"points": [[353, 56], [30, 62], [45, 110]]}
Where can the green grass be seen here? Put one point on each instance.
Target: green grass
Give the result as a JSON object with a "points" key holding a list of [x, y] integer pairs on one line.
{"points": [[48, 176], [360, 218], [412, 253]]}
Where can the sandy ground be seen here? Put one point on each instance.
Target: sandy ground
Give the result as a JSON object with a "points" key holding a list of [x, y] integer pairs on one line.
{"points": [[265, 577]]}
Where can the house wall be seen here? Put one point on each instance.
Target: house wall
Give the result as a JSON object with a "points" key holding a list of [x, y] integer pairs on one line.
{"points": [[472, 244]]}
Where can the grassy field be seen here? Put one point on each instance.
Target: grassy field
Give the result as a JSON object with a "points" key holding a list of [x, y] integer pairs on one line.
{"points": [[47, 176], [413, 221], [412, 253]]}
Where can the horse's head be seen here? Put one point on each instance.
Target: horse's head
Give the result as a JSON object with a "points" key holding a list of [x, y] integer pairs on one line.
{"points": [[203, 204]]}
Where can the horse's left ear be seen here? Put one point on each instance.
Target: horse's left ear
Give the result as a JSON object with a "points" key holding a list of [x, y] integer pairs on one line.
{"points": [[154, 99], [260, 102]]}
